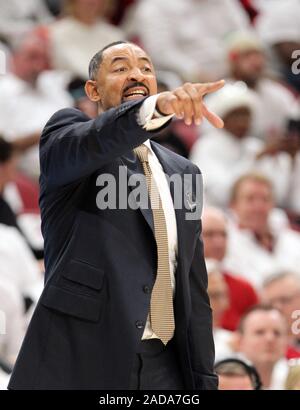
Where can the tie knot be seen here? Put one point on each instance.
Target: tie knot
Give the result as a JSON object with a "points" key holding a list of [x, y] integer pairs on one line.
{"points": [[142, 152]]}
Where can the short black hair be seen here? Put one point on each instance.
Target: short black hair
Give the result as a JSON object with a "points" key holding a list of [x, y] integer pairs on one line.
{"points": [[98, 57], [6, 150], [255, 308]]}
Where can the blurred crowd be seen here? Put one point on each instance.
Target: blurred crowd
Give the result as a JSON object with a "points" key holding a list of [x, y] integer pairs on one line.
{"points": [[251, 167]]}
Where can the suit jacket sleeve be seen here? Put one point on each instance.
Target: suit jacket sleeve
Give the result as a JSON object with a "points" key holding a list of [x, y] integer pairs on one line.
{"points": [[200, 328], [73, 146]]}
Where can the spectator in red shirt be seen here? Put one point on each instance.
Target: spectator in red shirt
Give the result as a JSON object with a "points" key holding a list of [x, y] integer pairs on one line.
{"points": [[242, 296]]}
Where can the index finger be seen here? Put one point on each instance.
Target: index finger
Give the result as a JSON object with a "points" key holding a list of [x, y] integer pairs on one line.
{"points": [[207, 88], [213, 118]]}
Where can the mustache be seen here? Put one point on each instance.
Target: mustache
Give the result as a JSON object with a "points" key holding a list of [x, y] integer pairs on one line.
{"points": [[136, 84]]}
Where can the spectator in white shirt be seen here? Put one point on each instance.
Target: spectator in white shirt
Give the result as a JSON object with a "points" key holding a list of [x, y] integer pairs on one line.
{"points": [[4, 57], [279, 28], [214, 234], [18, 17], [219, 299], [18, 265], [80, 34], [12, 322], [258, 247], [187, 36], [4, 379], [30, 94], [225, 154], [262, 340], [274, 102]]}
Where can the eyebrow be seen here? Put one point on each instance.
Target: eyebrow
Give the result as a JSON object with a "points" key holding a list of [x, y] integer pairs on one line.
{"points": [[116, 59]]}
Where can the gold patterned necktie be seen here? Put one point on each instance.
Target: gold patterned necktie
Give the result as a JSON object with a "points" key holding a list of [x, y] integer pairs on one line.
{"points": [[161, 305]]}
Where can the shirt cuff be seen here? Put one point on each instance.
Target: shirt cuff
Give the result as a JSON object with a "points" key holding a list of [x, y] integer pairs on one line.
{"points": [[148, 117]]}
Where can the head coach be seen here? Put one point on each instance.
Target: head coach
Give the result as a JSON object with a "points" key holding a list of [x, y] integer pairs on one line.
{"points": [[124, 304]]}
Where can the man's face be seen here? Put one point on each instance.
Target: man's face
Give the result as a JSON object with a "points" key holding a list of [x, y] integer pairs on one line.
{"points": [[218, 294], [263, 340], [90, 7], [125, 74], [249, 66], [253, 204], [214, 235], [283, 295], [8, 170], [238, 122], [235, 382], [31, 60]]}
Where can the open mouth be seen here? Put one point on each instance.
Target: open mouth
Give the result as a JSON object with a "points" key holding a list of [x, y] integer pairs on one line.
{"points": [[135, 93]]}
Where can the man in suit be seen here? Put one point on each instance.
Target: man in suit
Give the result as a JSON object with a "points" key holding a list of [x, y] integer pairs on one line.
{"points": [[125, 303]]}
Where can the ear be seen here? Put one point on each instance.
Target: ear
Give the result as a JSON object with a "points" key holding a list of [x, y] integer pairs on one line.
{"points": [[92, 91], [235, 341]]}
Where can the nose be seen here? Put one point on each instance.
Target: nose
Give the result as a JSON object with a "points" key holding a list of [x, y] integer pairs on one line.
{"points": [[270, 337], [136, 75]]}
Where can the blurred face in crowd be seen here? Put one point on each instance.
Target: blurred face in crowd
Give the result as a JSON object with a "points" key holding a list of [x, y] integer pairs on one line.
{"points": [[214, 234], [231, 382], [263, 338], [30, 60], [284, 295], [8, 170], [218, 294], [238, 122], [125, 74], [87, 10], [252, 205], [248, 66]]}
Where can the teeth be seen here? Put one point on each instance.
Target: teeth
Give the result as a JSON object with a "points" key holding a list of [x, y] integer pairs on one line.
{"points": [[136, 93]]}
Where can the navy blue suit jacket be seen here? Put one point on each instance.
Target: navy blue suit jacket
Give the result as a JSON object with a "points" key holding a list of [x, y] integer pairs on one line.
{"points": [[101, 264]]}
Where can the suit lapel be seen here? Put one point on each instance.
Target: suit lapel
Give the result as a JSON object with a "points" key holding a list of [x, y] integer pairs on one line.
{"points": [[135, 167], [170, 167]]}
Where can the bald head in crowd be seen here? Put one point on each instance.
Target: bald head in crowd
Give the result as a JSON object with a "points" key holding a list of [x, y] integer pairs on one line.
{"points": [[214, 233], [252, 201], [282, 291], [263, 339], [217, 290], [29, 58]]}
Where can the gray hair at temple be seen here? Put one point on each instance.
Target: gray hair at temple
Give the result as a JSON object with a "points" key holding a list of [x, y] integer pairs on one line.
{"points": [[98, 57]]}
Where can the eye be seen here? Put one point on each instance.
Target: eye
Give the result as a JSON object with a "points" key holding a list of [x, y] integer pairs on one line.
{"points": [[120, 69], [147, 69]]}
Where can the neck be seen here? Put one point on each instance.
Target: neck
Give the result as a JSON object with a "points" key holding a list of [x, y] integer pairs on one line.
{"points": [[251, 83], [265, 372], [86, 19], [2, 185], [32, 82], [262, 230]]}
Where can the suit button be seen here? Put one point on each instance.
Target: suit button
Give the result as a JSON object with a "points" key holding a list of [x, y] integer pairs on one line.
{"points": [[146, 289], [139, 324]]}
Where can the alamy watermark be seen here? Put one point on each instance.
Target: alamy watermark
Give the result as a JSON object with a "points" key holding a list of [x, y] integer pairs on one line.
{"points": [[2, 323], [296, 63], [296, 323], [2, 62], [133, 192]]}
